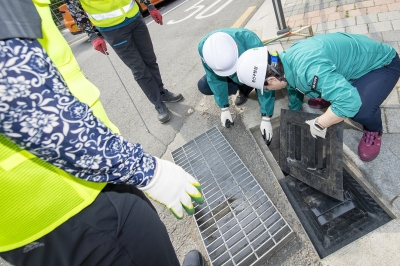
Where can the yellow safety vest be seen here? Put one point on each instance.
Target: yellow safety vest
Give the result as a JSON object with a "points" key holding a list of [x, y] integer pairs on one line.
{"points": [[36, 197], [107, 13]]}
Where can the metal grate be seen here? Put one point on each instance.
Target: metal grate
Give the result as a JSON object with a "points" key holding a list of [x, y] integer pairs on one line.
{"points": [[238, 223]]}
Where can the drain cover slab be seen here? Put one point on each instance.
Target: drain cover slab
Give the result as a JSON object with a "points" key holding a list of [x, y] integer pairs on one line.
{"points": [[238, 223]]}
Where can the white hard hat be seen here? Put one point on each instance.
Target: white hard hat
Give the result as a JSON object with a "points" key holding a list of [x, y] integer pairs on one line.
{"points": [[220, 53], [252, 67]]}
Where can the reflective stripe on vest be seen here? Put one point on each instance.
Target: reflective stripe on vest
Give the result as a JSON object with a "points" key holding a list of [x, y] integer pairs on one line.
{"points": [[112, 14], [107, 13]]}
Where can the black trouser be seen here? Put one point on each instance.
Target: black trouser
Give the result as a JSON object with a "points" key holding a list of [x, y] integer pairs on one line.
{"points": [[374, 87], [232, 87], [133, 45], [121, 227]]}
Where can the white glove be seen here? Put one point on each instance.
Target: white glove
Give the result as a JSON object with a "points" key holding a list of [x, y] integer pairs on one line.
{"points": [[226, 115], [315, 130], [266, 129], [174, 187]]}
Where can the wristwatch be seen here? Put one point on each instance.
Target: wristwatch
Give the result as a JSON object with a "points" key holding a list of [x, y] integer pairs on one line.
{"points": [[318, 126]]}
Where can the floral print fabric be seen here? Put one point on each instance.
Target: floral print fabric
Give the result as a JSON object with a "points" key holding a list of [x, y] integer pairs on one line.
{"points": [[38, 113]]}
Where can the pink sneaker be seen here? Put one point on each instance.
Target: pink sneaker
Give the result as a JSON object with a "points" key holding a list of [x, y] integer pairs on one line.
{"points": [[318, 103], [370, 145]]}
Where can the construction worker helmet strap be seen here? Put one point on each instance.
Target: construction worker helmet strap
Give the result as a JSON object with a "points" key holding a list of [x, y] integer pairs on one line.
{"points": [[252, 67], [220, 53]]}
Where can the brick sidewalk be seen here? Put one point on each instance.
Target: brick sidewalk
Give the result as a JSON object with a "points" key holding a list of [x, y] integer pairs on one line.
{"points": [[379, 19]]}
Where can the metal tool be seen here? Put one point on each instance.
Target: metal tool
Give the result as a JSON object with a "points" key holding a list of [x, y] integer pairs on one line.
{"points": [[291, 33], [127, 92]]}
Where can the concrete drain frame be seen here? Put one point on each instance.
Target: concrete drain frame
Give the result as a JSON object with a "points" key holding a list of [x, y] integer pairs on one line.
{"points": [[329, 223], [238, 223]]}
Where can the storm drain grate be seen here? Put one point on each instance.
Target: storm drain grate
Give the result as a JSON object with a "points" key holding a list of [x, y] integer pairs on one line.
{"points": [[238, 223]]}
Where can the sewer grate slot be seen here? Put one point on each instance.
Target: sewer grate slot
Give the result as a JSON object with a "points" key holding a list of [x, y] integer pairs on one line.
{"points": [[238, 223], [332, 224]]}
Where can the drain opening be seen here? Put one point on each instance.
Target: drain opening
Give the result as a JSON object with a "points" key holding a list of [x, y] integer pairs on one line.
{"points": [[238, 223], [331, 223]]}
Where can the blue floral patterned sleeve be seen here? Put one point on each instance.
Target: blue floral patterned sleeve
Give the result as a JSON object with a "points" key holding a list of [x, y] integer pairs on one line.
{"points": [[39, 114]]}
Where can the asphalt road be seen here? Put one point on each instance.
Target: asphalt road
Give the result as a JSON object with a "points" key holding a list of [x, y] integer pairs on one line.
{"points": [[175, 44]]}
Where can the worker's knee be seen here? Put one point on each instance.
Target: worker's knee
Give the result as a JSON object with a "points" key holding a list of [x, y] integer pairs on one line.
{"points": [[203, 86]]}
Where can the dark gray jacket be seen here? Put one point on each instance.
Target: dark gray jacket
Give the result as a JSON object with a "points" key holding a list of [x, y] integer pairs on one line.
{"points": [[19, 19]]}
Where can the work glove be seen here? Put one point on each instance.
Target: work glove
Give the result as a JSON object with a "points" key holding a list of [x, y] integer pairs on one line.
{"points": [[100, 45], [315, 130], [226, 118], [173, 187], [156, 15], [266, 129]]}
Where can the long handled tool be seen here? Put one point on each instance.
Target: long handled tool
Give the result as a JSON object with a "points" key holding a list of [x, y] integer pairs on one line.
{"points": [[127, 92], [291, 33]]}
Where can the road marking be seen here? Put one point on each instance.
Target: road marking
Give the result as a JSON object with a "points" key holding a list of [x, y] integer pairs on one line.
{"points": [[170, 10], [240, 21]]}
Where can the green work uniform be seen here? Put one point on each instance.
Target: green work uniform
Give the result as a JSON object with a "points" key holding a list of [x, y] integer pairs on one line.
{"points": [[245, 39], [324, 66]]}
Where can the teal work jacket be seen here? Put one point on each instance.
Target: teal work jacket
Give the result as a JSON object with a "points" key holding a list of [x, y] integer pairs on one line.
{"points": [[245, 39], [325, 66]]}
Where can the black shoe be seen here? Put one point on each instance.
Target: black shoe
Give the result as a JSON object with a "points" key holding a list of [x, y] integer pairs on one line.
{"points": [[241, 99], [193, 258], [163, 113], [167, 96]]}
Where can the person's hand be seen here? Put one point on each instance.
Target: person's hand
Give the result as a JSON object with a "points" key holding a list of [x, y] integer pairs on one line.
{"points": [[156, 16], [174, 187], [100, 45], [266, 129], [316, 130], [226, 117]]}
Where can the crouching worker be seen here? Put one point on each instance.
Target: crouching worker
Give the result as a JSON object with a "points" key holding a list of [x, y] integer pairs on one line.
{"points": [[73, 192], [352, 72], [219, 51]]}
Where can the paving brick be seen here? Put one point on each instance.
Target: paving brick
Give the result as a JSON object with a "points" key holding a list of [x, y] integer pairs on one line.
{"points": [[389, 15], [364, 4], [393, 7], [336, 30], [393, 100], [393, 122], [377, 9], [296, 17], [373, 18], [318, 20], [312, 14], [288, 9], [359, 29], [302, 22], [348, 22], [395, 45], [353, 1], [377, 36], [383, 2], [391, 36], [358, 12], [326, 26], [302, 10], [345, 7], [320, 6], [380, 26], [336, 16], [396, 24], [327, 11]]}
